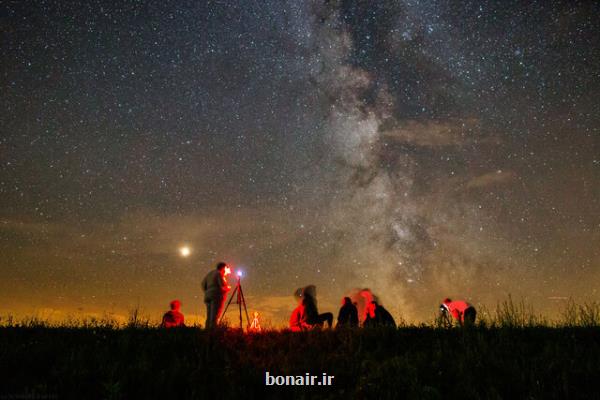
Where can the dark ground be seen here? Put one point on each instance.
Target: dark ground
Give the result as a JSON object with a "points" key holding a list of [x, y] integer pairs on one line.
{"points": [[420, 363]]}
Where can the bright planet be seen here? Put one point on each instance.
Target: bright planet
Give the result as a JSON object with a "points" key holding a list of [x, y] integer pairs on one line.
{"points": [[185, 251]]}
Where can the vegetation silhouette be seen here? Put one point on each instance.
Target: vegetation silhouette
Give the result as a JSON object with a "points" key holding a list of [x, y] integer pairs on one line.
{"points": [[508, 353]]}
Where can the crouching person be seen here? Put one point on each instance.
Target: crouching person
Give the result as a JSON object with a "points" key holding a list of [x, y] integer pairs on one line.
{"points": [[458, 310]]}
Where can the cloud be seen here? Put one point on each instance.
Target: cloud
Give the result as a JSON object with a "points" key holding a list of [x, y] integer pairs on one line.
{"points": [[491, 178], [28, 226], [146, 233], [432, 133]]}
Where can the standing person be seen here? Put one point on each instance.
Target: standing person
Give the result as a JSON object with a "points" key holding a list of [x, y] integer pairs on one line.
{"points": [[215, 292], [348, 315], [173, 318], [462, 312]]}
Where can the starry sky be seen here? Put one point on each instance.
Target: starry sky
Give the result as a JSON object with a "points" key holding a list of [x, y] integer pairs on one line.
{"points": [[422, 149]]}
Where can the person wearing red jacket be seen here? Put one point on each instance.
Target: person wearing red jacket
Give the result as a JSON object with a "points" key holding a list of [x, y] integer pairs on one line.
{"points": [[306, 316], [298, 319], [173, 318], [462, 312]]}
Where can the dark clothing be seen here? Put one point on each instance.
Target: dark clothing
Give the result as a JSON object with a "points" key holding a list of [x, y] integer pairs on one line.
{"points": [[172, 319], [322, 318], [312, 314], [214, 308], [469, 316], [382, 318], [215, 293], [214, 286], [348, 316]]}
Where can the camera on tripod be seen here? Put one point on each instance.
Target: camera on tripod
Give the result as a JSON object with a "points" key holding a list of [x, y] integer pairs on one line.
{"points": [[238, 293]]}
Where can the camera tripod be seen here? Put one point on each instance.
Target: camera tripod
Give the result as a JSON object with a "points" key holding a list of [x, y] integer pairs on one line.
{"points": [[240, 301]]}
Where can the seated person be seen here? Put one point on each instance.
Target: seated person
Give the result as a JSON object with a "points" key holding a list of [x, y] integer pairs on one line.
{"points": [[377, 315], [306, 316], [313, 317], [298, 319], [348, 315], [173, 318]]}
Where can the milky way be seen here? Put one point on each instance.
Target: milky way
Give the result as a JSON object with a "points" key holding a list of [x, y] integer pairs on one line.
{"points": [[419, 148]]}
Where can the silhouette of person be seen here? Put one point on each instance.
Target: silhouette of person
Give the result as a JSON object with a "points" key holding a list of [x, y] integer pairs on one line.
{"points": [[348, 314], [313, 317], [377, 315], [215, 289], [462, 312], [173, 318]]}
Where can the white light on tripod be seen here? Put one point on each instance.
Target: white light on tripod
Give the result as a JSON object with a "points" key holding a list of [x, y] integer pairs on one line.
{"points": [[240, 273]]}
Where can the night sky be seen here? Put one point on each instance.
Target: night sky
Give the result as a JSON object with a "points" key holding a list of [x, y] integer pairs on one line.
{"points": [[423, 149]]}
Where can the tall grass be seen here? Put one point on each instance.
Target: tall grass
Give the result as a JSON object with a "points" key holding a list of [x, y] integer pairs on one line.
{"points": [[511, 314], [585, 315], [508, 313]]}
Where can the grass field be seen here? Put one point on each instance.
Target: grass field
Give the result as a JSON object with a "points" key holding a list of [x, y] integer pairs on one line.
{"points": [[511, 356]]}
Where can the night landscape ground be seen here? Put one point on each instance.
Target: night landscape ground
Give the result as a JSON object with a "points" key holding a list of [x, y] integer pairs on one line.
{"points": [[510, 356]]}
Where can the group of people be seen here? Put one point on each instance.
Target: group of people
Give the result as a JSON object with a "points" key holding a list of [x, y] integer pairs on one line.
{"points": [[306, 315]]}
